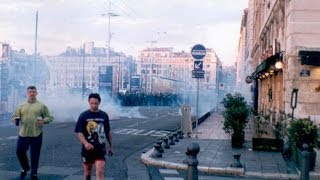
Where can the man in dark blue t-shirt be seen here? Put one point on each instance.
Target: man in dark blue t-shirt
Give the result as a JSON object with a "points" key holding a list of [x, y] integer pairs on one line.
{"points": [[92, 130]]}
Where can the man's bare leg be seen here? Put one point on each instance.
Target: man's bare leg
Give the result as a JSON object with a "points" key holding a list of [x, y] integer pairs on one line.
{"points": [[87, 169], [100, 169]]}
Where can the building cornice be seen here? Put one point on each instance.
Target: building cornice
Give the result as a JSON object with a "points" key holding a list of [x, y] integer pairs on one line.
{"points": [[264, 28]]}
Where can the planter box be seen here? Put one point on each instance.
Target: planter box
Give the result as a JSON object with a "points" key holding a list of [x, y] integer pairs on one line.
{"points": [[265, 144], [237, 140], [312, 160]]}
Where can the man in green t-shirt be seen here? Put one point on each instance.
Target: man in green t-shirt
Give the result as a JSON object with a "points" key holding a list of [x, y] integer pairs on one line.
{"points": [[30, 116]]}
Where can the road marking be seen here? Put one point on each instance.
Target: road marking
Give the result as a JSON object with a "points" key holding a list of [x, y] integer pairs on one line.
{"points": [[63, 125], [12, 137], [133, 125], [141, 132], [8, 138]]}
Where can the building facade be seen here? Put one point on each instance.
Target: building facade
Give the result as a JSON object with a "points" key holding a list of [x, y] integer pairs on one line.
{"points": [[163, 70], [78, 70], [19, 70], [286, 58]]}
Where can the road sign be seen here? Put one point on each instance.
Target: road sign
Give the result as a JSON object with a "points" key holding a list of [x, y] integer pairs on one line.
{"points": [[198, 73], [198, 51], [249, 79], [198, 65], [221, 86], [305, 73]]}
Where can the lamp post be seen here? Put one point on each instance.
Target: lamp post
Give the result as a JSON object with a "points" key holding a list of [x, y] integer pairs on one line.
{"points": [[151, 64], [109, 14], [83, 84]]}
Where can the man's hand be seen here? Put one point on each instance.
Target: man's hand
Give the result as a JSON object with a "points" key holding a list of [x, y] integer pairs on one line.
{"points": [[40, 122], [14, 119], [111, 152], [88, 146]]}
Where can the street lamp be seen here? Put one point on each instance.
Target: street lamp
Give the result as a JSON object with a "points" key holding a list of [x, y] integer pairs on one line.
{"points": [[151, 68], [110, 14], [278, 65], [109, 31]]}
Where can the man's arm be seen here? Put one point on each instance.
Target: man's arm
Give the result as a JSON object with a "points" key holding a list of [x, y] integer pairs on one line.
{"points": [[16, 114], [83, 140], [109, 139], [47, 117]]}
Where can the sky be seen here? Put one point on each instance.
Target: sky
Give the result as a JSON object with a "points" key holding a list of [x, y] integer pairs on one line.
{"points": [[172, 23]]}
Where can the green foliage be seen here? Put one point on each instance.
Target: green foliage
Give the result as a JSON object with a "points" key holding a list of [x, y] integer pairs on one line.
{"points": [[235, 114], [260, 125], [280, 129], [303, 131]]}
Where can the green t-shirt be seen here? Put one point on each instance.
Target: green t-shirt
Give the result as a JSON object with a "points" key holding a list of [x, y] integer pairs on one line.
{"points": [[28, 112]]}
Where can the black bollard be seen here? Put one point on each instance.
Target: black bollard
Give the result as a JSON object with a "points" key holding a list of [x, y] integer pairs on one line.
{"points": [[304, 166], [161, 149], [192, 150], [180, 135], [171, 140], [165, 144], [175, 137], [156, 153], [236, 161]]}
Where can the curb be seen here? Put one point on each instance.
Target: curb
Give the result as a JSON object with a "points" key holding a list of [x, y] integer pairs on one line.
{"points": [[147, 160], [270, 175], [227, 171]]}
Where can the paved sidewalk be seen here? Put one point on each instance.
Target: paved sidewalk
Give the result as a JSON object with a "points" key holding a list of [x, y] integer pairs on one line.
{"points": [[215, 155]]}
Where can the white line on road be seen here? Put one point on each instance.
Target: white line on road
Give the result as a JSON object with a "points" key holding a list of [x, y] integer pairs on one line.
{"points": [[63, 125], [8, 138], [12, 137], [141, 132]]}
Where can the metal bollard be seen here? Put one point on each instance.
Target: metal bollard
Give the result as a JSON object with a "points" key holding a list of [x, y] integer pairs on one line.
{"points": [[160, 149], [192, 161], [180, 135], [236, 161], [156, 153], [175, 137], [165, 144], [304, 166], [171, 140]]}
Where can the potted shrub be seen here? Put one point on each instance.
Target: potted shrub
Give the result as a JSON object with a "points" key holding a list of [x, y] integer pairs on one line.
{"points": [[303, 131], [235, 117], [265, 139]]}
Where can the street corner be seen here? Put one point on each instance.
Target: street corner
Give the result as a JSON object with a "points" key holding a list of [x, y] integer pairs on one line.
{"points": [[150, 161]]}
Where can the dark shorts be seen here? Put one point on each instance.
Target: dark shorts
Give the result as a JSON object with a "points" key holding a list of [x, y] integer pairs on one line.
{"points": [[89, 157]]}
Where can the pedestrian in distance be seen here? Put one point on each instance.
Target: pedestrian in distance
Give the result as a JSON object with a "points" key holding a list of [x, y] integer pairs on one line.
{"points": [[93, 129], [30, 116]]}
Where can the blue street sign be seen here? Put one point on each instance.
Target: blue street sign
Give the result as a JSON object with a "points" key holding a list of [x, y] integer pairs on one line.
{"points": [[198, 73], [198, 65], [198, 51]]}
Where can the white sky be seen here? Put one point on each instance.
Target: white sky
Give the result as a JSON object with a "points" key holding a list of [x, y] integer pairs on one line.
{"points": [[62, 23]]}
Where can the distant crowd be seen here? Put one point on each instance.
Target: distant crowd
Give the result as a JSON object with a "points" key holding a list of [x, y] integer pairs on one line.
{"points": [[149, 99]]}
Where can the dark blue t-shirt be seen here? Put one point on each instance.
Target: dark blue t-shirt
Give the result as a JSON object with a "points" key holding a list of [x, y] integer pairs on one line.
{"points": [[95, 127]]}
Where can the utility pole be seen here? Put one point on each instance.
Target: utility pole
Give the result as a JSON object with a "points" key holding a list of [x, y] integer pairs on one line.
{"points": [[119, 73], [83, 85], [151, 60], [35, 51], [109, 14]]}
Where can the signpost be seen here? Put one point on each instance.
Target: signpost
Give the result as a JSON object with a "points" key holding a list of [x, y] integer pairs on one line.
{"points": [[135, 83], [198, 52], [305, 73], [105, 79]]}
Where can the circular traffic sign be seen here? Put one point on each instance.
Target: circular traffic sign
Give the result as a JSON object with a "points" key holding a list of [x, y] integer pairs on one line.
{"points": [[198, 51], [249, 79]]}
